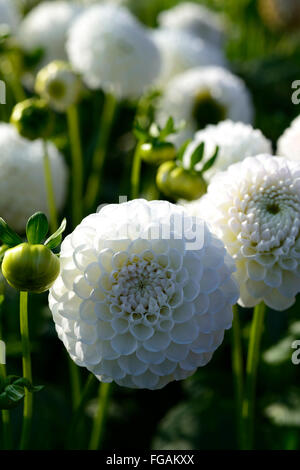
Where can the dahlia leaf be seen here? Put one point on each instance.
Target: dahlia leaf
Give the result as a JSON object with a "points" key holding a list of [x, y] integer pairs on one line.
{"points": [[55, 239], [12, 391], [211, 161], [37, 228], [197, 155], [7, 235]]}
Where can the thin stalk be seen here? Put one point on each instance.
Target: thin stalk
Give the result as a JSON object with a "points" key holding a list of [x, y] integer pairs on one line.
{"points": [[136, 173], [77, 164], [251, 375], [237, 368], [5, 415], [26, 361], [49, 189], [96, 441], [95, 178]]}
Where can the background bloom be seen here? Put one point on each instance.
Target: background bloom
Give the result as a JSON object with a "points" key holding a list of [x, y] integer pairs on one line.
{"points": [[45, 27], [235, 140], [288, 144], [9, 14], [22, 177], [254, 207], [113, 51], [205, 95], [181, 51], [195, 19], [138, 309]]}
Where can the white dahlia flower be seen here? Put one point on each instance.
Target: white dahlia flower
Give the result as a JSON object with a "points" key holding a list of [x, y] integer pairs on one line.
{"points": [[136, 301], [9, 14], [254, 207], [22, 189], [112, 51], [45, 27], [235, 140], [195, 19], [288, 144], [181, 51], [204, 95]]}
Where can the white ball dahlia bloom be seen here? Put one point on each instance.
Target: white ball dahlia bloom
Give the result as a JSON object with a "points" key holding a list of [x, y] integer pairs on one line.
{"points": [[204, 95], [112, 51], [288, 144], [9, 14], [181, 51], [254, 207], [45, 27], [136, 302], [235, 140], [195, 19], [22, 189]]}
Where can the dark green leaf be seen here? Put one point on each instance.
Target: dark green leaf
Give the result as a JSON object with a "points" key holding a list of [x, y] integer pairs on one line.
{"points": [[168, 129], [197, 155], [37, 228], [55, 239], [12, 391], [182, 150], [210, 162], [8, 236]]}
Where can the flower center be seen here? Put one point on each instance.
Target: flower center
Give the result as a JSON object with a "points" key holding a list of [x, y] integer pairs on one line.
{"points": [[207, 110], [56, 89]]}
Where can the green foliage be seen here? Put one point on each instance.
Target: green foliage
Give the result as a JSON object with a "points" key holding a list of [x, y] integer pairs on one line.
{"points": [[12, 391], [37, 228]]}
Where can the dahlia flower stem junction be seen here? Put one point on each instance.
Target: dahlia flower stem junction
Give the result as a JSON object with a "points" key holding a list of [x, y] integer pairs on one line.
{"points": [[100, 417], [95, 178], [136, 173], [237, 368], [49, 189], [77, 164], [26, 360], [251, 375]]}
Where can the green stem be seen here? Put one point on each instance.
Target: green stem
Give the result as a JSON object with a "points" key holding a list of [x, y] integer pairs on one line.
{"points": [[237, 368], [9, 69], [6, 426], [49, 189], [26, 360], [251, 374], [96, 441], [136, 173], [95, 178], [77, 164]]}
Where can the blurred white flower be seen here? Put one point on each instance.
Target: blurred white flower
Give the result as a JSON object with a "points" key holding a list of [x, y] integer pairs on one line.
{"points": [[254, 207], [9, 14], [235, 140], [136, 306], [180, 51], [288, 144], [195, 19], [112, 51], [204, 95], [45, 27], [58, 85], [22, 190]]}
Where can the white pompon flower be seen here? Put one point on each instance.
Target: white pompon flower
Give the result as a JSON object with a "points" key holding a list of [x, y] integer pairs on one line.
{"points": [[9, 14], [195, 19], [288, 144], [254, 207], [181, 51], [45, 27], [22, 190], [204, 95], [112, 51], [235, 140], [134, 303]]}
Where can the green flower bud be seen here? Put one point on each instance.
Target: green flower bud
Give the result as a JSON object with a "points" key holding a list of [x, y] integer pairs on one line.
{"points": [[178, 183], [157, 152], [30, 268], [33, 119], [58, 85]]}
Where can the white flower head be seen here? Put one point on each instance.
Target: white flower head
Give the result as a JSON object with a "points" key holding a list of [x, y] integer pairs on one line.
{"points": [[288, 144], [254, 207], [235, 140], [204, 95], [9, 14], [181, 51], [133, 304], [22, 177], [113, 51], [195, 19], [45, 27]]}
